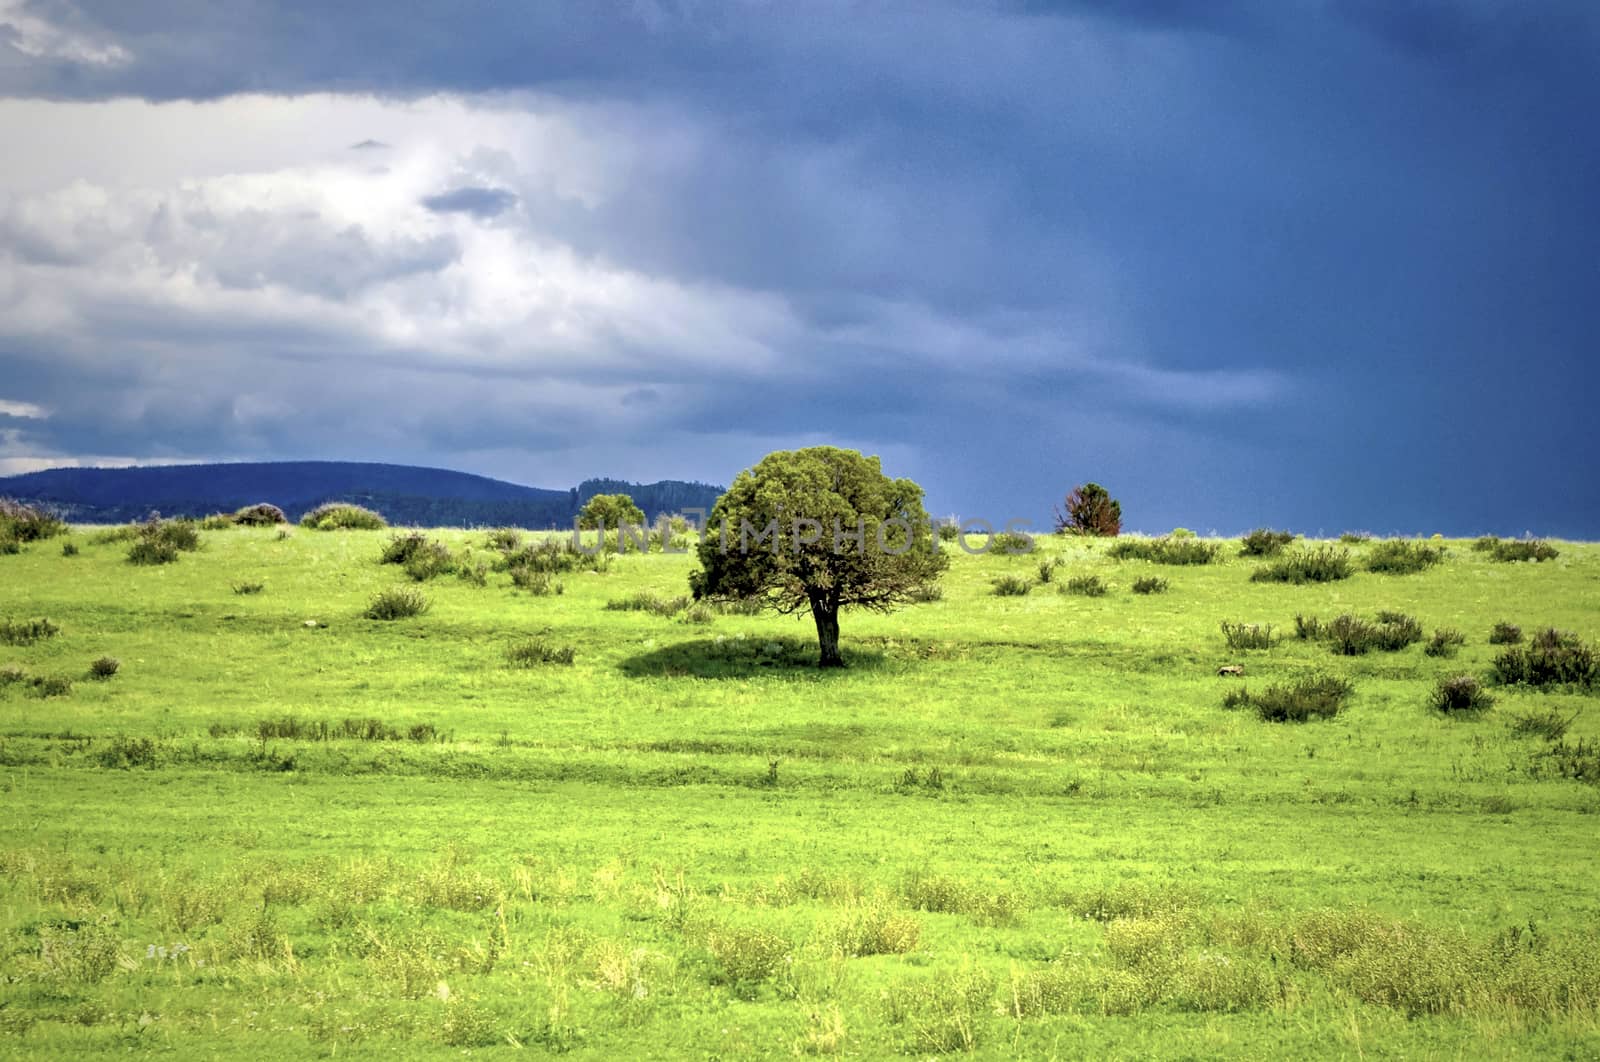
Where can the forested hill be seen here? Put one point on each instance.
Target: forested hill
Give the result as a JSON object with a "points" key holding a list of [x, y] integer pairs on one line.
{"points": [[405, 494]]}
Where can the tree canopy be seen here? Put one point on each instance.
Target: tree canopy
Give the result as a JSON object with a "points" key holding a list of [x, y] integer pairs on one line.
{"points": [[610, 510], [1090, 510], [819, 529]]}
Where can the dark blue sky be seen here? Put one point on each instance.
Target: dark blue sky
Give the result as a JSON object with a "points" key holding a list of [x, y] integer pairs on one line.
{"points": [[1323, 265]]}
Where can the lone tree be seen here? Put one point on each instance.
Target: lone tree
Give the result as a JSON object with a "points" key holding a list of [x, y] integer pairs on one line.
{"points": [[1090, 511], [610, 510], [819, 529]]}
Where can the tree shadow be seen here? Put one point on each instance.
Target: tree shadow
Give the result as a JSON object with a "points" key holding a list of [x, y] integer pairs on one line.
{"points": [[741, 656]]}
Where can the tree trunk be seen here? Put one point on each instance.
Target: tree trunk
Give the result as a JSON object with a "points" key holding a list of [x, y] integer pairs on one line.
{"points": [[827, 618]]}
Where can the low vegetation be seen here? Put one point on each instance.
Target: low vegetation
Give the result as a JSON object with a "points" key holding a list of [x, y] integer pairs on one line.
{"points": [[1318, 564], [1400, 557], [397, 602], [343, 516], [1264, 542], [1320, 697], [1169, 549]]}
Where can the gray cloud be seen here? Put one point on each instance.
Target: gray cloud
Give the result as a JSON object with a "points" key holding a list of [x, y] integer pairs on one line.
{"points": [[479, 202]]}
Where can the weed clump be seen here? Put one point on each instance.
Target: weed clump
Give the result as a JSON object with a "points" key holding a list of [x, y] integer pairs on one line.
{"points": [[1552, 658], [104, 667], [1321, 697], [503, 539], [343, 516], [1548, 724], [399, 602], [1503, 633], [1150, 584], [247, 587], [21, 524], [1011, 586], [158, 541], [1445, 642], [1400, 557], [1350, 635], [26, 632], [1169, 549], [538, 583], [1322, 564], [1085, 586], [536, 652], [1264, 542], [69, 549], [1460, 693], [1247, 635], [645, 601], [1512, 550]]}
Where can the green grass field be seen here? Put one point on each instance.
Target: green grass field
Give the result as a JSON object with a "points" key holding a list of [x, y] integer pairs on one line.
{"points": [[1022, 826]]}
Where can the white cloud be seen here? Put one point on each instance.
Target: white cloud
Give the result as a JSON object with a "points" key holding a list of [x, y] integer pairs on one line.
{"points": [[40, 38]]}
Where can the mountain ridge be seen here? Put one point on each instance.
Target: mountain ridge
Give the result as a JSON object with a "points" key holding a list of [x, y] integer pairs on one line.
{"points": [[405, 494]]}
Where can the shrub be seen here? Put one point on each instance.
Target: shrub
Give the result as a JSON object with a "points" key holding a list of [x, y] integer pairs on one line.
{"points": [[1010, 543], [1548, 724], [1085, 586], [1460, 693], [1011, 586], [1399, 557], [50, 685], [536, 652], [1247, 635], [1526, 550], [1047, 569], [1150, 584], [699, 612], [1553, 658], [645, 601], [343, 516], [152, 551], [610, 511], [104, 667], [949, 531], [1354, 538], [261, 514], [472, 574], [1444, 642], [12, 674], [1504, 633], [431, 560], [1351, 635], [21, 523], [216, 522], [69, 549], [873, 928], [537, 583], [1264, 542], [26, 632], [1321, 697], [248, 587], [1090, 510], [747, 955], [554, 557], [504, 539], [1323, 564], [399, 602], [402, 547], [1166, 550]]}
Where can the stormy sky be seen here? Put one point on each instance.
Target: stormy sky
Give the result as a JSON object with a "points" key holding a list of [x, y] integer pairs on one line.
{"points": [[1323, 264]]}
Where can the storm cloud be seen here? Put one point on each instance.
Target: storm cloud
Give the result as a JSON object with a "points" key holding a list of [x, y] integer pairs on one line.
{"points": [[1316, 264]]}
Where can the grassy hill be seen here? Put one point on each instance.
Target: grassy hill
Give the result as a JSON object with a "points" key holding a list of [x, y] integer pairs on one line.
{"points": [[405, 494], [1024, 826]]}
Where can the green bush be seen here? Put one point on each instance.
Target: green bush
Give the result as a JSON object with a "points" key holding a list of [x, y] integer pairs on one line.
{"points": [[645, 601], [1247, 635], [343, 516], [432, 559], [1010, 586], [26, 632], [1323, 564], [1504, 633], [216, 522], [1354, 538], [158, 541], [1400, 557], [554, 557], [1460, 693], [1010, 543], [1150, 584], [248, 587], [1047, 569], [1501, 549], [104, 667], [402, 547], [1264, 542], [504, 539], [1548, 724], [1350, 635], [1444, 642], [21, 523], [536, 652], [538, 583], [1085, 586], [50, 685], [152, 551], [1552, 658], [261, 514], [1165, 550], [69, 549], [399, 602], [1321, 697]]}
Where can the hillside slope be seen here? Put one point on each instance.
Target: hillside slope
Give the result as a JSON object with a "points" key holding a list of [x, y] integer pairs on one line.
{"points": [[406, 494]]}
